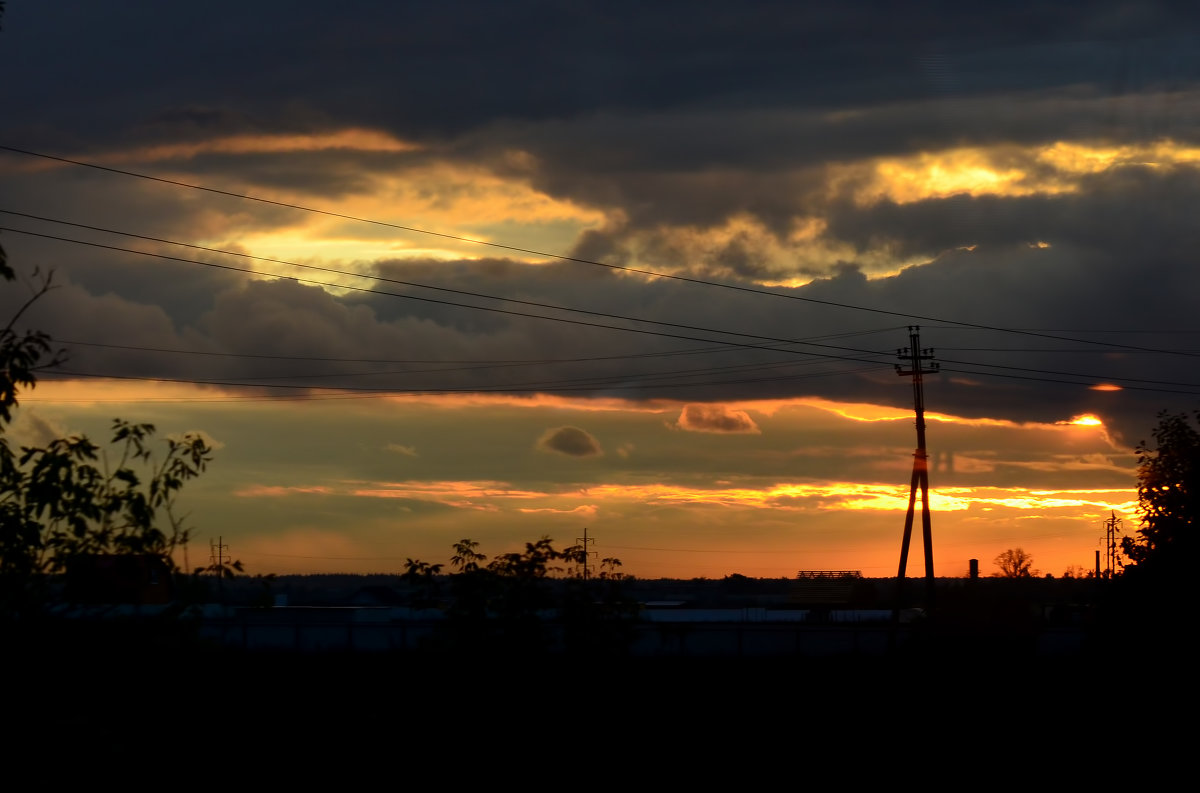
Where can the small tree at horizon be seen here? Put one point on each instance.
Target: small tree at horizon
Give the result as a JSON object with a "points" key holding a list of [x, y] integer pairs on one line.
{"points": [[1015, 563], [72, 498]]}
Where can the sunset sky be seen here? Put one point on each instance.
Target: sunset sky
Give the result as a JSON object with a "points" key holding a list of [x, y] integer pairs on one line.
{"points": [[506, 270]]}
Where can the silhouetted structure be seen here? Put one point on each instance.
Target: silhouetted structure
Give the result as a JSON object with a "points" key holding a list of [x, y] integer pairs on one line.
{"points": [[824, 587], [914, 355]]}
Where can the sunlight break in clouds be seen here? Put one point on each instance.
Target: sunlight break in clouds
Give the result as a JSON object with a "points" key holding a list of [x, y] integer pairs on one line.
{"points": [[1008, 171], [444, 197]]}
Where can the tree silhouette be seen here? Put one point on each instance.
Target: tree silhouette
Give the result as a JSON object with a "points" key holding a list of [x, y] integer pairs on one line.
{"points": [[466, 557], [1168, 498], [1015, 563], [514, 603], [71, 498]]}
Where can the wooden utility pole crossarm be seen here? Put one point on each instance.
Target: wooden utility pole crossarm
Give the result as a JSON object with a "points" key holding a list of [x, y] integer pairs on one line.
{"points": [[919, 363]]}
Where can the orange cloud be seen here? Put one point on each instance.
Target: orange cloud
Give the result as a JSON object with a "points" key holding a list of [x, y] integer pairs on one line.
{"points": [[278, 491], [354, 139], [716, 419], [586, 510], [442, 490]]}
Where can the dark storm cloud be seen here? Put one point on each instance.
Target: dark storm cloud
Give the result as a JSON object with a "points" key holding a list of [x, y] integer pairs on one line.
{"points": [[443, 68], [127, 204], [570, 441]]}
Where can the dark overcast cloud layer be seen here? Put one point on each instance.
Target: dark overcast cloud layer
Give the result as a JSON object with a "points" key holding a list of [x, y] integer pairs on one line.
{"points": [[440, 67]]}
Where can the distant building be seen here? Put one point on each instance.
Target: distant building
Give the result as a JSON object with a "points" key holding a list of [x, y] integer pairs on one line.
{"points": [[824, 587]]}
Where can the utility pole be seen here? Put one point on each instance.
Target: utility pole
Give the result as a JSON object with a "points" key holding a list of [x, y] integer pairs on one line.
{"points": [[919, 363], [585, 540], [1110, 539], [216, 556], [216, 561]]}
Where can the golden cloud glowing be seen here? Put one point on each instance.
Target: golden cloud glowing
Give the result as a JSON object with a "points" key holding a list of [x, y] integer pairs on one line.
{"points": [[443, 198], [1079, 158], [1002, 170], [925, 175]]}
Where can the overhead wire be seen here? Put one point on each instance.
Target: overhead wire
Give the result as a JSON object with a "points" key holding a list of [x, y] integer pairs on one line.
{"points": [[774, 342], [562, 257], [607, 315], [537, 304]]}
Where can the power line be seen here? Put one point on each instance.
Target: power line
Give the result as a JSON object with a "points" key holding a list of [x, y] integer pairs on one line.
{"points": [[611, 382], [1075, 351], [561, 257], [509, 312], [501, 362], [1072, 374], [420, 361], [607, 315], [1065, 382]]}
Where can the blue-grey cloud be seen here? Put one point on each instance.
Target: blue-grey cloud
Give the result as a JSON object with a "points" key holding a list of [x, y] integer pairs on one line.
{"points": [[570, 441]]}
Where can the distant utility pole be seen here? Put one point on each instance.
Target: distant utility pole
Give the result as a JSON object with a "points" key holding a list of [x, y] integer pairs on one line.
{"points": [[585, 540], [916, 359], [1111, 527], [216, 555]]}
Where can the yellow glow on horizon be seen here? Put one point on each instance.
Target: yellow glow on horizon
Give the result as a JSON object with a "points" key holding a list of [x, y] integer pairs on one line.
{"points": [[100, 391], [862, 411], [467, 493], [793, 497]]}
